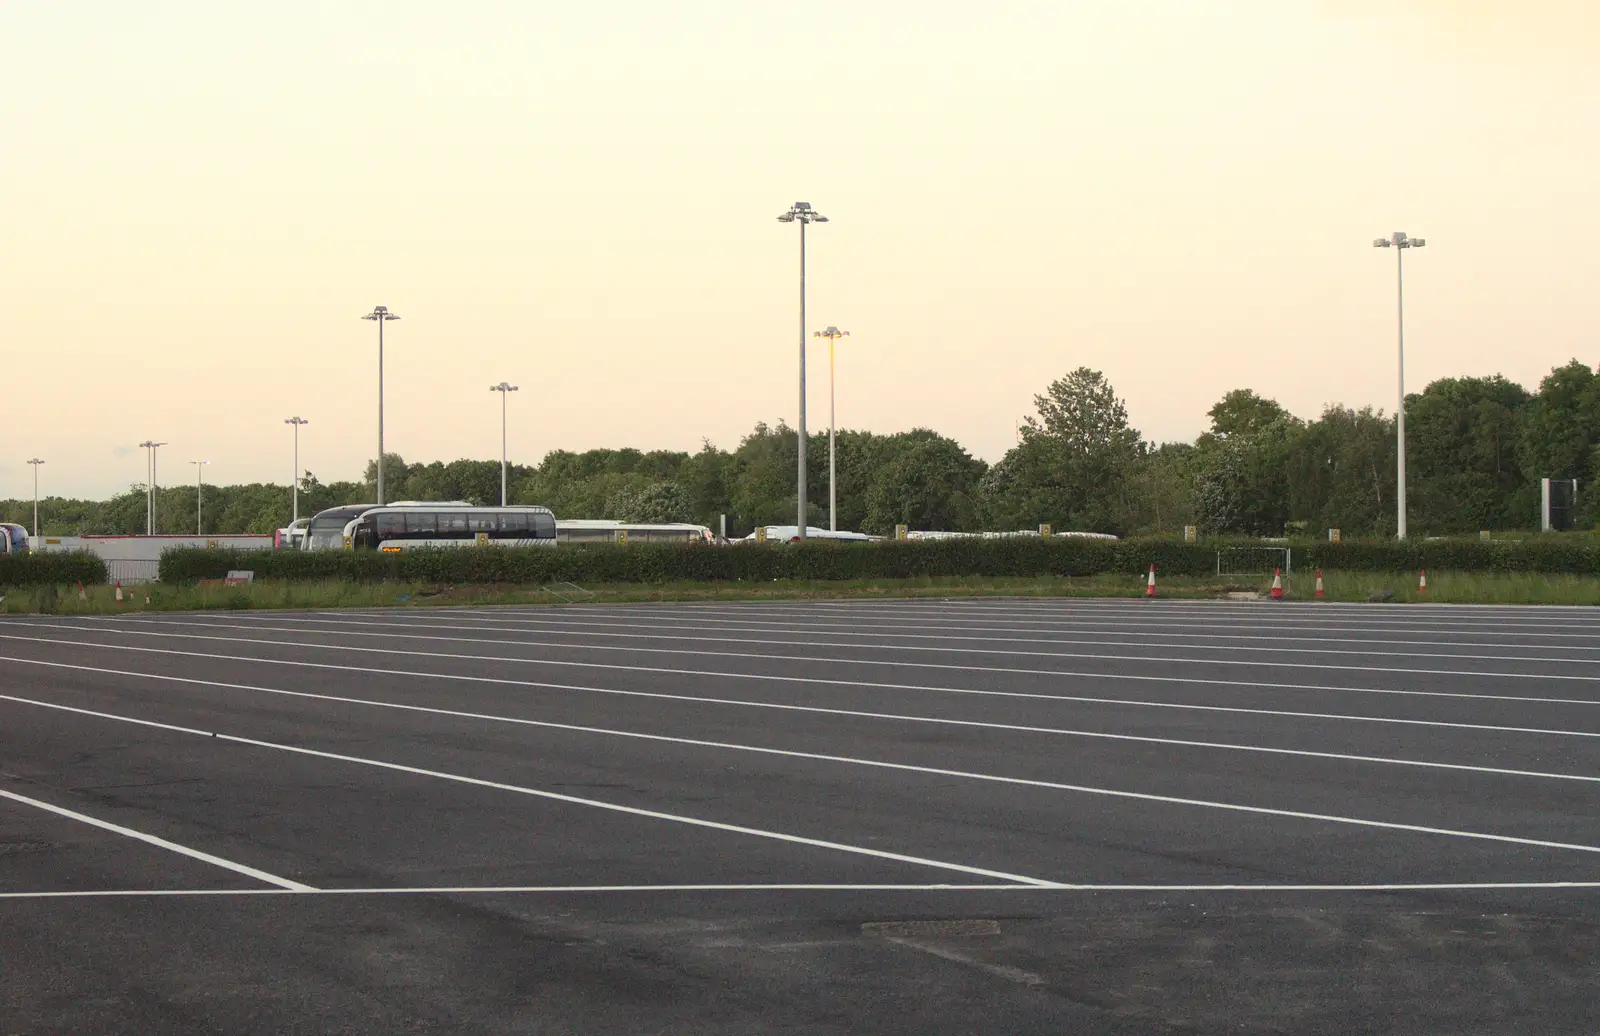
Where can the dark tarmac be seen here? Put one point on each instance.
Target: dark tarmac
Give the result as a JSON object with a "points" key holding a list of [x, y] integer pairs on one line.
{"points": [[928, 817]]}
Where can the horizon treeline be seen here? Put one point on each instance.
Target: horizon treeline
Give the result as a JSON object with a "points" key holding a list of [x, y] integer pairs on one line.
{"points": [[1476, 450]]}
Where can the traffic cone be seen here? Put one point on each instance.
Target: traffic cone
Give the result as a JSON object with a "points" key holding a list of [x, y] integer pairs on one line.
{"points": [[83, 595], [1277, 584], [1150, 583], [1422, 584], [1320, 594], [119, 591]]}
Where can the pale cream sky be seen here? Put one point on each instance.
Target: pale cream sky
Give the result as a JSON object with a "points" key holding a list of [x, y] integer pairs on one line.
{"points": [[199, 200]]}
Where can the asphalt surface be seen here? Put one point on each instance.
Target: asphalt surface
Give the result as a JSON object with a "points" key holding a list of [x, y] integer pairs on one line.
{"points": [[931, 817]]}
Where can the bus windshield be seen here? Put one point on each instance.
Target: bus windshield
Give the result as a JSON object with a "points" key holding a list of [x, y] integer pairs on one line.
{"points": [[326, 531]]}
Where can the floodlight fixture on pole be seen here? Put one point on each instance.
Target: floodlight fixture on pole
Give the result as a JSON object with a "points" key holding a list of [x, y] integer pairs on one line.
{"points": [[294, 493], [36, 462], [832, 334], [1400, 242], [150, 487], [382, 315], [199, 466], [802, 213], [505, 389]]}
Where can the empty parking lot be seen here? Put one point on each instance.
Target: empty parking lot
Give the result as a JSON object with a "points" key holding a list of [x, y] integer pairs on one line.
{"points": [[899, 816]]}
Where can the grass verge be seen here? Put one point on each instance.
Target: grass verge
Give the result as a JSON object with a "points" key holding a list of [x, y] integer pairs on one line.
{"points": [[1443, 587]]}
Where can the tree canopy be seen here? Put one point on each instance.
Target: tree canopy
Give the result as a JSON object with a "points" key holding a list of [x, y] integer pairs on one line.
{"points": [[1476, 450]]}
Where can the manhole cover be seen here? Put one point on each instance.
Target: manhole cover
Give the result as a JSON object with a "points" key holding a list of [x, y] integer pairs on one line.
{"points": [[930, 929]]}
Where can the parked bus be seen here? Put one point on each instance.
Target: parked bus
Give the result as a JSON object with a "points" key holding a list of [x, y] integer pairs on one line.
{"points": [[13, 539], [325, 529], [409, 525], [412, 527], [791, 534], [584, 530]]}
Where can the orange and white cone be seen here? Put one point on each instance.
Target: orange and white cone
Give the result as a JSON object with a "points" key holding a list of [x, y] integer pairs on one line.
{"points": [[1422, 584], [83, 595], [1150, 583], [1277, 584], [119, 591], [1320, 593]]}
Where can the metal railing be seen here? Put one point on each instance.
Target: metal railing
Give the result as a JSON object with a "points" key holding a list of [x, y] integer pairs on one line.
{"points": [[132, 571]]}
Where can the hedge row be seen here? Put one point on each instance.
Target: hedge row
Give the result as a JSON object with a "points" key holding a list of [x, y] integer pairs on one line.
{"points": [[655, 563], [1578, 555], [62, 568]]}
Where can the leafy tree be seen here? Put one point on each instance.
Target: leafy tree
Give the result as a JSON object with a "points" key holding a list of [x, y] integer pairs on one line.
{"points": [[1561, 426], [1461, 442], [1242, 483], [1072, 465], [661, 501], [922, 480], [1341, 473]]}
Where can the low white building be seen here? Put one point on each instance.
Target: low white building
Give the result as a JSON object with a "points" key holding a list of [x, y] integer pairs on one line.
{"points": [[136, 559]]}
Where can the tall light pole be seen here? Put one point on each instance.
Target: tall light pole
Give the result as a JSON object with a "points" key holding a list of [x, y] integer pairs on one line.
{"points": [[1399, 242], [832, 334], [505, 391], [802, 213], [382, 315], [36, 462], [150, 488], [294, 492], [199, 467]]}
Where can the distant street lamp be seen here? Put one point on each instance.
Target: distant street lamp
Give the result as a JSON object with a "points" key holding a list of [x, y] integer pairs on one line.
{"points": [[36, 462], [802, 213], [294, 493], [1399, 242], [150, 488], [199, 467], [832, 334], [382, 315], [505, 391]]}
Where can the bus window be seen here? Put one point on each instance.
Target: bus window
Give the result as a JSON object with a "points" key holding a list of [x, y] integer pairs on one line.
{"points": [[482, 521], [452, 525], [544, 525], [391, 526], [513, 526], [421, 525]]}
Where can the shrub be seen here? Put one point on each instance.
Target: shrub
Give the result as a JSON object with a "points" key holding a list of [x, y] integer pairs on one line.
{"points": [[1577, 555], [658, 563], [56, 568]]}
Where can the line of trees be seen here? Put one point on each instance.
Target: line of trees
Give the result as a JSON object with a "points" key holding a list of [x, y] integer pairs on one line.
{"points": [[1477, 448]]}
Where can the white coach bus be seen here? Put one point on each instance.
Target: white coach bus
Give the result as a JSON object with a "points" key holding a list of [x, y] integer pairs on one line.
{"points": [[412, 525], [587, 530]]}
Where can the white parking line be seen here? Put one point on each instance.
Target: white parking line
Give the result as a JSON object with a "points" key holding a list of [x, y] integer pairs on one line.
{"points": [[502, 890], [847, 626], [121, 625], [1496, 771], [700, 638], [870, 685], [161, 843], [1083, 789], [537, 793], [1285, 614]]}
